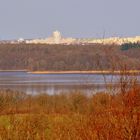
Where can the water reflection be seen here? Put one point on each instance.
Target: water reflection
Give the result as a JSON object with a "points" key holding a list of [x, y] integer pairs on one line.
{"points": [[56, 83]]}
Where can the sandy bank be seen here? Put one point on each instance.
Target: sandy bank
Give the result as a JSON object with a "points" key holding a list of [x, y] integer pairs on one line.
{"points": [[85, 72]]}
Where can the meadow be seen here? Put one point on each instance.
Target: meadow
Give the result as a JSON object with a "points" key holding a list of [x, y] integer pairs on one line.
{"points": [[71, 116]]}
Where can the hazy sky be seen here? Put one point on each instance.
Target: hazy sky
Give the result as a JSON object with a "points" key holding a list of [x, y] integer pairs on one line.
{"points": [[73, 18]]}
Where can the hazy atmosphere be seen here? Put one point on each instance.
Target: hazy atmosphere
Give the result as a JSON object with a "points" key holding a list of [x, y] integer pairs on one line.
{"points": [[73, 18], [69, 69]]}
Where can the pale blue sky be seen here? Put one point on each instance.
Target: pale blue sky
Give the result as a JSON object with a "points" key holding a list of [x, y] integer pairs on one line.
{"points": [[74, 18]]}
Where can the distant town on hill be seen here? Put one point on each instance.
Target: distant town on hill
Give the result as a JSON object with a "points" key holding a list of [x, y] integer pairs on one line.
{"points": [[57, 38]]}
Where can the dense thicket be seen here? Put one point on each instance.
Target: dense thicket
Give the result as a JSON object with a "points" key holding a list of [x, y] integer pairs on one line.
{"points": [[67, 57]]}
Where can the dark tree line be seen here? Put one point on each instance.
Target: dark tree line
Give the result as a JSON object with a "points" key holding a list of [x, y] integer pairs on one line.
{"points": [[128, 46]]}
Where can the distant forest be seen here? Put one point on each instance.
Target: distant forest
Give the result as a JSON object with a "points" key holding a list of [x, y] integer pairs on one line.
{"points": [[35, 57]]}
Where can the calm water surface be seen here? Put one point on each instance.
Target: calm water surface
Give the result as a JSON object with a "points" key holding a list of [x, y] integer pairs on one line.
{"points": [[56, 83]]}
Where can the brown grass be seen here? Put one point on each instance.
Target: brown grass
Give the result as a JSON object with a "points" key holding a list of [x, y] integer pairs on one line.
{"points": [[73, 116]]}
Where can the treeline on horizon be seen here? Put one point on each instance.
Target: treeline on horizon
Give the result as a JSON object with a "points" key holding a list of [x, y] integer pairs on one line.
{"points": [[42, 57]]}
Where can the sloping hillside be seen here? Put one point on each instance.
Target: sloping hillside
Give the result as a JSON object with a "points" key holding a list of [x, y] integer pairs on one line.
{"points": [[64, 57]]}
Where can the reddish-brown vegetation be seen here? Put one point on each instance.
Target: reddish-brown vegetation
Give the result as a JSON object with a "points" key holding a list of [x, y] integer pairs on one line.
{"points": [[67, 57], [75, 116]]}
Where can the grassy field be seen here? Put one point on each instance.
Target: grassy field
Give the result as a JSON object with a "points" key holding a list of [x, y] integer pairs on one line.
{"points": [[73, 116]]}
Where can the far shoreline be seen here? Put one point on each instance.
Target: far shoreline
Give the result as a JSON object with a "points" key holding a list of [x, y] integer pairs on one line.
{"points": [[13, 70], [77, 72], [86, 72]]}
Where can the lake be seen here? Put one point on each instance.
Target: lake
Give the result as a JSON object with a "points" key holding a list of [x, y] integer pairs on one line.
{"points": [[56, 83]]}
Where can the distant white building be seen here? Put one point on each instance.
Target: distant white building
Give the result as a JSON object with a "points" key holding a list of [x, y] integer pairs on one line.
{"points": [[21, 40], [56, 37]]}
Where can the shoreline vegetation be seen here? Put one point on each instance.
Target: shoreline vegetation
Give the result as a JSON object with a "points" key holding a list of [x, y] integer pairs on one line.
{"points": [[73, 116]]}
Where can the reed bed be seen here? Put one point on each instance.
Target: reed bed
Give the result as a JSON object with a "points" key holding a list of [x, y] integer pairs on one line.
{"points": [[73, 116]]}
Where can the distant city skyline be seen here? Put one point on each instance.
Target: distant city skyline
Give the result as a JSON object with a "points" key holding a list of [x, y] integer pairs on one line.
{"points": [[57, 38], [31, 19]]}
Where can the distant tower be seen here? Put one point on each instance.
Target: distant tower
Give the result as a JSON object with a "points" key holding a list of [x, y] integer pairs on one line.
{"points": [[20, 40], [57, 37]]}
